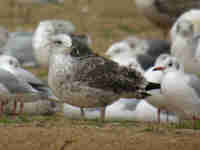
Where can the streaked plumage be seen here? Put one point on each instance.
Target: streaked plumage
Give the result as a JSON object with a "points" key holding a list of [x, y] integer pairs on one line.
{"points": [[81, 78]]}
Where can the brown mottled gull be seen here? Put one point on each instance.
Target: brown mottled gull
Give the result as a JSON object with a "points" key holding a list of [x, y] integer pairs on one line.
{"points": [[82, 78]]}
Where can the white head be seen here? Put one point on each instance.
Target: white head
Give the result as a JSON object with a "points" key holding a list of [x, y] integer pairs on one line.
{"points": [[185, 28], [69, 45], [59, 43], [161, 59], [49, 28], [9, 61], [169, 65], [118, 49]]}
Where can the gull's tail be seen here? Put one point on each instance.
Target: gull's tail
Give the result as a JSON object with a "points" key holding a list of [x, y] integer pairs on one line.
{"points": [[152, 86]]}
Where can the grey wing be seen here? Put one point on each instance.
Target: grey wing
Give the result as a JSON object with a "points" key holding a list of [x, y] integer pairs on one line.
{"points": [[13, 84], [34, 82], [194, 83], [28, 76]]}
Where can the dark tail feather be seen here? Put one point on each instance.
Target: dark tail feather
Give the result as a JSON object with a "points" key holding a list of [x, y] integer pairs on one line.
{"points": [[152, 86], [144, 94]]}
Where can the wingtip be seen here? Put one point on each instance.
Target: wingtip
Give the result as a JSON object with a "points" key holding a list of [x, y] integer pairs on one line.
{"points": [[152, 86]]}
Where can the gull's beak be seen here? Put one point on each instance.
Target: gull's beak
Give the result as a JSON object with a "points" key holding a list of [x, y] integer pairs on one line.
{"points": [[159, 68]]}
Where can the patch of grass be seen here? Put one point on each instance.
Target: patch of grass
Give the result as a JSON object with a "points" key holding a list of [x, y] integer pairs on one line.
{"points": [[108, 33], [148, 129], [126, 28], [187, 124], [19, 119]]}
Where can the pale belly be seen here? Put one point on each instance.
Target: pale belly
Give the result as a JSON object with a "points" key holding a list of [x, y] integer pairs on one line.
{"points": [[82, 96], [180, 97]]}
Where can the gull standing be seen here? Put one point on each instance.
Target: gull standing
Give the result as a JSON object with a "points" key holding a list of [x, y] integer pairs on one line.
{"points": [[82, 78], [182, 90], [158, 99]]}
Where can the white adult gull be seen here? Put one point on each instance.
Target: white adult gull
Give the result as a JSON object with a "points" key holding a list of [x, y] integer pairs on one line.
{"points": [[158, 99], [185, 46], [192, 16], [82, 78], [182, 90], [144, 51]]}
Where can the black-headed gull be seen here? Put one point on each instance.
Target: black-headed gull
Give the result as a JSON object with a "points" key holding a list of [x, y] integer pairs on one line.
{"points": [[182, 90]]}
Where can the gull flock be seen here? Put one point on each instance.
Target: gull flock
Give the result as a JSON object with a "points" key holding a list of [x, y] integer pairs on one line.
{"points": [[143, 79]]}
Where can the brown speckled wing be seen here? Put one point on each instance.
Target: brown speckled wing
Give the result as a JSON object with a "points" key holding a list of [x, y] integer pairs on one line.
{"points": [[99, 72], [174, 8]]}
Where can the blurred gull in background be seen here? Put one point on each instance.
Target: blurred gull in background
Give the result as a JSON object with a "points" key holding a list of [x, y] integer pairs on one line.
{"points": [[44, 31], [32, 83], [143, 51]]}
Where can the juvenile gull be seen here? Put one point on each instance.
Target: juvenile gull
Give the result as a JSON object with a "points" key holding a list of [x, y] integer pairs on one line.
{"points": [[44, 31], [82, 78], [182, 90], [12, 65], [23, 80]]}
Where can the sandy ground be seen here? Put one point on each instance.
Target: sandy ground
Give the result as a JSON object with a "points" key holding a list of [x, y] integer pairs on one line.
{"points": [[64, 134], [106, 21]]}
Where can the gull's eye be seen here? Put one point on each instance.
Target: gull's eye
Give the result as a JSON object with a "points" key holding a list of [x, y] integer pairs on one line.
{"points": [[11, 62], [58, 42], [118, 51], [170, 64]]}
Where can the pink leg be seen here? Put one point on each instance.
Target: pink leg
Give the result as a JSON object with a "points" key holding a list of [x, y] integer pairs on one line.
{"points": [[14, 110], [1, 108], [167, 116], [102, 113], [158, 113], [21, 107]]}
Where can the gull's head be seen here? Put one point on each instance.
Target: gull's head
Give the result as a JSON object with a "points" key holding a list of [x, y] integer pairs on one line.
{"points": [[119, 49], [160, 59], [69, 45], [60, 43], [9, 61], [53, 27], [185, 28], [169, 65], [45, 28]]}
